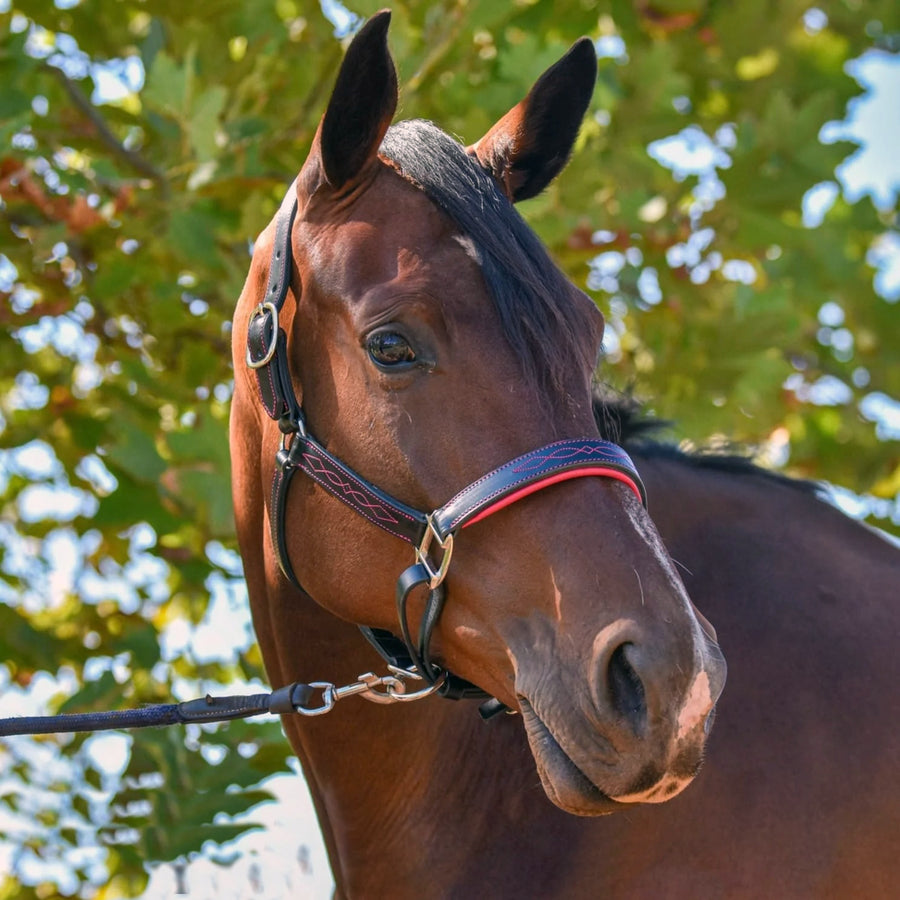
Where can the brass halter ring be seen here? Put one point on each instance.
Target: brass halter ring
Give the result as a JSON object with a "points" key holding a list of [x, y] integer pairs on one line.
{"points": [[446, 544]]}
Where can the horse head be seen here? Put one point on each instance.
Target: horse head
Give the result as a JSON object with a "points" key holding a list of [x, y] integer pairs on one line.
{"points": [[429, 340]]}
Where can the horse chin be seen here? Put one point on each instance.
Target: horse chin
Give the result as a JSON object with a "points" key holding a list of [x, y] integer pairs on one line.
{"points": [[564, 783]]}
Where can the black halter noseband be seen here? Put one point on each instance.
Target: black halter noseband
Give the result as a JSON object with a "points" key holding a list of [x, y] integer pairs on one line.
{"points": [[267, 357]]}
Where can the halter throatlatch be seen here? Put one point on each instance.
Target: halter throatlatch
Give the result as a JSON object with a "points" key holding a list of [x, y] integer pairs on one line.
{"points": [[430, 534]]}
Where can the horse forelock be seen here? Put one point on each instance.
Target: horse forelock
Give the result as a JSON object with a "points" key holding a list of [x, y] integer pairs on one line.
{"points": [[544, 325]]}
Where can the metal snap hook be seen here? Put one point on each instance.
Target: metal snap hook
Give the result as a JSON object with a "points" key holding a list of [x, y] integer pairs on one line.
{"points": [[329, 698]]}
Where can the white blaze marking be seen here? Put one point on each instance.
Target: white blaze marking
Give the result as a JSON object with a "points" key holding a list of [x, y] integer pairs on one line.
{"points": [[664, 789], [696, 707]]}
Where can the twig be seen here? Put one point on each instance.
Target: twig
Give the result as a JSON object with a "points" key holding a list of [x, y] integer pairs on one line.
{"points": [[104, 132], [456, 19]]}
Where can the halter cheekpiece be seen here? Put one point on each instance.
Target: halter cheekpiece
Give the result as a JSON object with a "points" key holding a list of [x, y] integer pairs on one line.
{"points": [[430, 534]]}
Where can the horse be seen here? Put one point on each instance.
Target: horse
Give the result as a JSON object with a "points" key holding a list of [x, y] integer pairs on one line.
{"points": [[799, 796], [403, 338]]}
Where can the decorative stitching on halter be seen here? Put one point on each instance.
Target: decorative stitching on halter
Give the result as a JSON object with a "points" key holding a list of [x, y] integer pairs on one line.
{"points": [[269, 409], [518, 464], [359, 499], [534, 461], [486, 500], [273, 507], [540, 458]]}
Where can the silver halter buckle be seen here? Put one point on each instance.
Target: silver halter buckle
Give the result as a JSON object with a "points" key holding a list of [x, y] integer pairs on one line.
{"points": [[261, 310]]}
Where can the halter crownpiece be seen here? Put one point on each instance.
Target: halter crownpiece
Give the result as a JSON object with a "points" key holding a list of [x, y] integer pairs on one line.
{"points": [[300, 451]]}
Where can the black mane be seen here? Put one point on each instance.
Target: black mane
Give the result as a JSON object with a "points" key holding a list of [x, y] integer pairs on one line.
{"points": [[621, 419], [530, 293]]}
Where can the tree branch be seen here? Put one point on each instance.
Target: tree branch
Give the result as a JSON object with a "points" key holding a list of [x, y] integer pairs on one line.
{"points": [[104, 132]]}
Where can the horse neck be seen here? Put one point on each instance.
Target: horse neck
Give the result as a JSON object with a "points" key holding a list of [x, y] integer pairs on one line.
{"points": [[386, 780], [775, 568], [712, 518]]}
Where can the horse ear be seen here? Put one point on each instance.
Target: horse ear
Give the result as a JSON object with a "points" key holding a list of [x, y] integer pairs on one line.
{"points": [[362, 104], [532, 143]]}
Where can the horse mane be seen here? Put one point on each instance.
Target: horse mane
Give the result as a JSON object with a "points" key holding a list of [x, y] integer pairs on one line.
{"points": [[533, 298], [623, 420]]}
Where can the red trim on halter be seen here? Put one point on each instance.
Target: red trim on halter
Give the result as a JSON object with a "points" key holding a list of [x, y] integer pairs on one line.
{"points": [[553, 479]]}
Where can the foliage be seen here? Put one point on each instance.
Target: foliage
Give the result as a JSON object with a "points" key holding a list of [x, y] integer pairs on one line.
{"points": [[126, 217]]}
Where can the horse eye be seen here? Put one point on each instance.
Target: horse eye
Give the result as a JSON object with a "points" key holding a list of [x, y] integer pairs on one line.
{"points": [[389, 349]]}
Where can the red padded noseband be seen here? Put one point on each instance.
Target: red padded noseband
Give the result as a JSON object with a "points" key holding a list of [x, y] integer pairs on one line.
{"points": [[554, 479]]}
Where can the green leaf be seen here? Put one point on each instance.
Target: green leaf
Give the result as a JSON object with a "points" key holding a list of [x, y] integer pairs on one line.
{"points": [[165, 88], [204, 122], [134, 451], [102, 694]]}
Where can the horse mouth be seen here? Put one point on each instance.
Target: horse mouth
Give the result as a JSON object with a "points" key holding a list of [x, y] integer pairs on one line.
{"points": [[564, 783]]}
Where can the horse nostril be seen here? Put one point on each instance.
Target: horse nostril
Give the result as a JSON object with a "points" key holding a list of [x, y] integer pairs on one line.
{"points": [[626, 691]]}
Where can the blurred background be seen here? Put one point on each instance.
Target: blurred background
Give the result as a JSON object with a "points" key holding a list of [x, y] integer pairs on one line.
{"points": [[731, 207]]}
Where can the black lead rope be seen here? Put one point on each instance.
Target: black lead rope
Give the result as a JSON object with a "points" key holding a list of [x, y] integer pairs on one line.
{"points": [[289, 699], [297, 697]]}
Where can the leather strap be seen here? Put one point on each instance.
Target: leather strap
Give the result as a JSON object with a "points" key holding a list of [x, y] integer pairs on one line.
{"points": [[361, 496], [532, 472], [266, 341], [281, 482], [498, 489]]}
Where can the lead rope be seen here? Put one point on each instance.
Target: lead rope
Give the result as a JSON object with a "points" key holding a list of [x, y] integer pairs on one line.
{"points": [[297, 697]]}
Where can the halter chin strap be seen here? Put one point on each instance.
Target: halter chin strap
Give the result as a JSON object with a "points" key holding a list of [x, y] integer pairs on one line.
{"points": [[425, 532]]}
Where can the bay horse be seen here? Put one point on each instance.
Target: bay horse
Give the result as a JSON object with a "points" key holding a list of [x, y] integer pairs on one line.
{"points": [[799, 796], [403, 343]]}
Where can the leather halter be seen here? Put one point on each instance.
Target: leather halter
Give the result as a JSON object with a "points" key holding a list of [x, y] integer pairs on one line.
{"points": [[300, 451]]}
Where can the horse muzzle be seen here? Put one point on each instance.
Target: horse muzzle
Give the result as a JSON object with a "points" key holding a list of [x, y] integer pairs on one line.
{"points": [[640, 738]]}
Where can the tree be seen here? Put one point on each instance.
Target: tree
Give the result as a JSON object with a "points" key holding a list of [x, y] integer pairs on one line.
{"points": [[147, 143]]}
